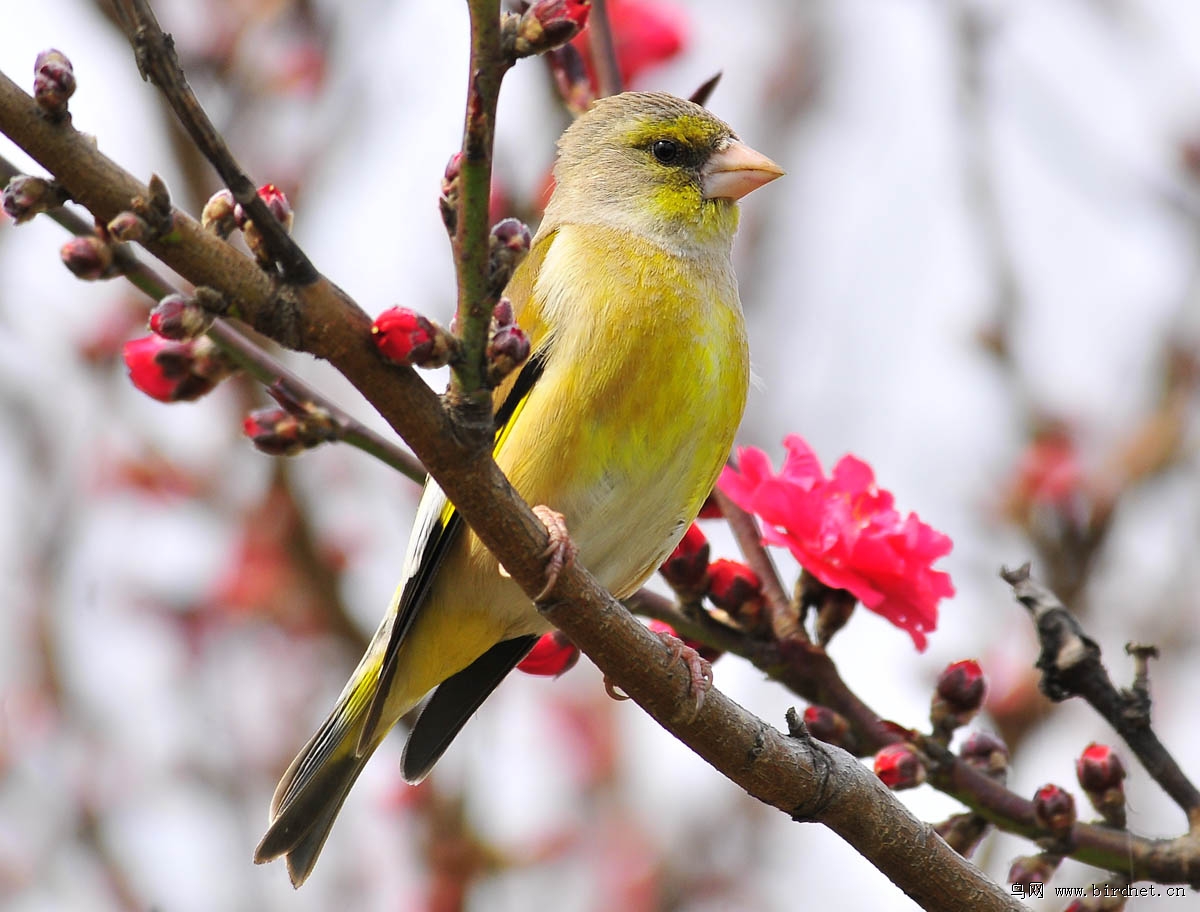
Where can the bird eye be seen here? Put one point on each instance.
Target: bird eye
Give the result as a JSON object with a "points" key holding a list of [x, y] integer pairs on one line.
{"points": [[665, 151]]}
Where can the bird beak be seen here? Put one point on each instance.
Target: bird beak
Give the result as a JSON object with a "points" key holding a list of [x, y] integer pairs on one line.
{"points": [[735, 170]]}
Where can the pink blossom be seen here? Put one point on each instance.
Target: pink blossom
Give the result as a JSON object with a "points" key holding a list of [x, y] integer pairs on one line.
{"points": [[846, 532]]}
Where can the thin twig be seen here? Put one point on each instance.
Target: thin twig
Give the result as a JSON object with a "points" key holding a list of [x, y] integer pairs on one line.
{"points": [[489, 63], [784, 620], [252, 358], [604, 51], [1071, 667], [158, 62]]}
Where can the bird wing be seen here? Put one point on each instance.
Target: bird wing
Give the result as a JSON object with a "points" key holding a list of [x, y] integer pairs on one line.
{"points": [[439, 524]]}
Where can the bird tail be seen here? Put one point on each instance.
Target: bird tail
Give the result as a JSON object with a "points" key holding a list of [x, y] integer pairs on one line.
{"points": [[312, 790]]}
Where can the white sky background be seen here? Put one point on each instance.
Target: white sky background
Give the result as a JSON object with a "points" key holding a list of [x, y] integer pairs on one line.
{"points": [[865, 283]]}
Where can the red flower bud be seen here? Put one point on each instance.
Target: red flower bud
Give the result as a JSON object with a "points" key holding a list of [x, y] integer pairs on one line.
{"points": [[986, 753], [1099, 768], [1102, 776], [179, 318], [507, 350], [277, 203], [53, 82], [899, 767], [1054, 809], [686, 569], [826, 725], [273, 431], [175, 371], [961, 688], [88, 257], [551, 656], [406, 337], [736, 589], [708, 653]]}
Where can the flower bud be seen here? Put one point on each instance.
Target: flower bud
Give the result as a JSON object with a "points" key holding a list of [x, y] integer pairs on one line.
{"points": [[663, 629], [128, 226], [835, 607], [986, 753], [175, 371], [53, 83], [277, 204], [507, 350], [274, 431], [826, 725], [179, 318], [686, 569], [548, 24], [1054, 810], [88, 257], [1028, 870], [507, 246], [737, 590], [448, 198], [963, 832], [552, 655], [571, 78], [288, 430], [1102, 776], [899, 767], [220, 214], [25, 196], [502, 313], [406, 337], [961, 688]]}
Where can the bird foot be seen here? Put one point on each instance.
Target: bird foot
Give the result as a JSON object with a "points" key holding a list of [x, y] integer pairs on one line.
{"points": [[700, 674], [561, 551]]}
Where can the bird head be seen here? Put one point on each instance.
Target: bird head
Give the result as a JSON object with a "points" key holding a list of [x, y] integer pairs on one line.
{"points": [[659, 166]]}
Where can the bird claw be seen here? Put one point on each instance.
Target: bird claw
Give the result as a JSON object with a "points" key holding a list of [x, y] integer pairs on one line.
{"points": [[700, 673], [610, 688], [561, 551]]}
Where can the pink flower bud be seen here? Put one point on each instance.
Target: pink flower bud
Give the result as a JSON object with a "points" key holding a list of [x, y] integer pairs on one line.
{"points": [[53, 82], [548, 24], [88, 257], [551, 656], [220, 214], [179, 318], [986, 753], [507, 349], [128, 226], [507, 246], [25, 196], [899, 767]]}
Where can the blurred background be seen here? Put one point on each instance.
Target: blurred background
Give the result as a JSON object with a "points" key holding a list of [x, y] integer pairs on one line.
{"points": [[981, 275]]}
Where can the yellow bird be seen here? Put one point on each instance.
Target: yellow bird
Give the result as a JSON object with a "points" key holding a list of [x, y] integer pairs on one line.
{"points": [[620, 421]]}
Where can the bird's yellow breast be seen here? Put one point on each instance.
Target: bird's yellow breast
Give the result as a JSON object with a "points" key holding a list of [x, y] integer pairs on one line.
{"points": [[642, 393]]}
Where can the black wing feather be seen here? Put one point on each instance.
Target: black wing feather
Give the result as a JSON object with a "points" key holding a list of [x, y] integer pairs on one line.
{"points": [[442, 536]]}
